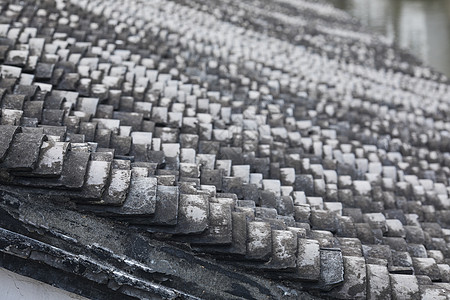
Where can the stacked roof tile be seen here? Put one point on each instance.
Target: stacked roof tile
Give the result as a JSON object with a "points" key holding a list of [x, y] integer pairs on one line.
{"points": [[277, 138]]}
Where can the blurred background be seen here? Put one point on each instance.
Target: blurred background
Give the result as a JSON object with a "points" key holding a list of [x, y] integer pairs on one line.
{"points": [[422, 26]]}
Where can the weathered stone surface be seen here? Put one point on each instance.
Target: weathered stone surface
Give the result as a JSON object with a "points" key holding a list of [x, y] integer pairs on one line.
{"points": [[97, 177], [378, 282], [23, 152], [13, 102], [414, 234], [103, 137], [51, 159], [377, 251], [417, 250], [323, 157], [285, 206], [259, 243], [376, 220], [33, 109], [88, 105], [350, 246], [141, 198], [437, 255], [426, 266], [395, 228], [354, 279], [74, 169], [129, 119], [284, 248], [122, 144], [444, 271], [331, 268], [242, 171], [404, 287], [219, 230], [432, 292], [239, 233], [56, 133], [302, 213], [10, 72], [44, 71], [193, 212], [53, 117], [6, 138], [117, 190], [115, 245], [17, 58], [308, 259], [304, 183], [287, 176], [323, 220], [166, 207], [103, 155]]}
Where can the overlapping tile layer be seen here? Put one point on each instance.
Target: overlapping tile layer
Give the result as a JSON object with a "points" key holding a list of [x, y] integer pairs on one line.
{"points": [[278, 134]]}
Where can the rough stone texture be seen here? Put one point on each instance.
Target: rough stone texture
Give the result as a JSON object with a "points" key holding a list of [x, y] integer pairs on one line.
{"points": [[259, 243], [219, 230], [141, 198], [6, 137], [51, 159], [308, 259], [404, 287], [378, 284], [166, 207], [17, 286], [118, 247], [284, 247], [426, 266], [239, 234], [118, 187], [209, 131], [24, 152], [354, 279], [193, 212], [74, 169], [98, 173], [331, 267], [432, 292]]}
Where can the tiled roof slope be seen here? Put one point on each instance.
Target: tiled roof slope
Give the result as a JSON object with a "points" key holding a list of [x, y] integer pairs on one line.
{"points": [[276, 139]]}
